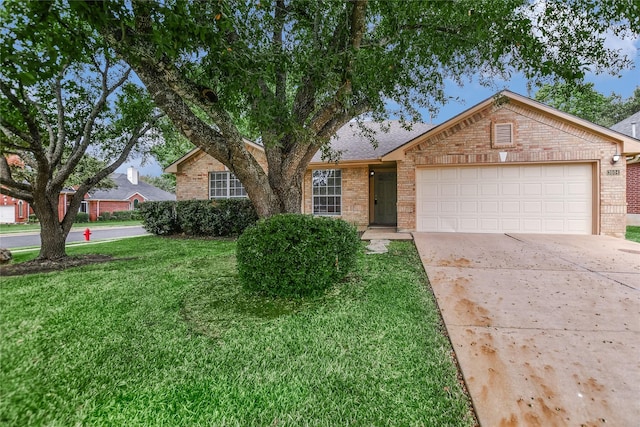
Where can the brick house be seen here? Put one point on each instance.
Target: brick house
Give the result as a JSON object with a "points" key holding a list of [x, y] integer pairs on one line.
{"points": [[508, 164], [630, 126], [128, 192]]}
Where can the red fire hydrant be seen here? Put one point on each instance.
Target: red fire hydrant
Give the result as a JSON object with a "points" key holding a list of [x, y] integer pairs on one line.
{"points": [[87, 233]]}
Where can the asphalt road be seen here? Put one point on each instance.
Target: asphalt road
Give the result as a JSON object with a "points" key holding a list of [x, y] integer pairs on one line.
{"points": [[19, 240]]}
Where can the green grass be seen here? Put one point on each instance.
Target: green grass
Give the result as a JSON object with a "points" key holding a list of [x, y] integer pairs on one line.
{"points": [[633, 233], [23, 228], [170, 338]]}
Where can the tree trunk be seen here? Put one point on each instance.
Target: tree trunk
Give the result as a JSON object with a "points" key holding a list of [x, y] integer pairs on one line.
{"points": [[53, 235]]}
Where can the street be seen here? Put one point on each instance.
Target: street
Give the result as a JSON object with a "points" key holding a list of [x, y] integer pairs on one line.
{"points": [[19, 240]]}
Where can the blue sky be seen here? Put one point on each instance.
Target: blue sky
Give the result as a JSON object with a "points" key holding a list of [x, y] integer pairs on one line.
{"points": [[473, 93]]}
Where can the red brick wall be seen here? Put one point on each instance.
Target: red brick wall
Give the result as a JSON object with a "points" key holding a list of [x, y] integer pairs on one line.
{"points": [[633, 188], [98, 207], [538, 138]]}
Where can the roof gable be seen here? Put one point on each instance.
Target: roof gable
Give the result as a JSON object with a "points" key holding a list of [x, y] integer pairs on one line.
{"points": [[475, 113], [125, 189], [173, 167]]}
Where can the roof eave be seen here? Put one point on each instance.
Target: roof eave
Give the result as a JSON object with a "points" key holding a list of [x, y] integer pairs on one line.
{"points": [[173, 167], [342, 163]]}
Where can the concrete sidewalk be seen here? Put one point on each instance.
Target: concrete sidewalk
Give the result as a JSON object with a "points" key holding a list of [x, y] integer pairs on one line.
{"points": [[546, 328]]}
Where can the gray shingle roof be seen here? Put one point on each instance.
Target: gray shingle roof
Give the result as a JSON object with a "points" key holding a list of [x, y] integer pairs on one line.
{"points": [[355, 144], [125, 189], [624, 126]]}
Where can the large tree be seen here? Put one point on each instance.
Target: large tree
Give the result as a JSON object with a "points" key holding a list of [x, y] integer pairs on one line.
{"points": [[298, 70], [68, 112]]}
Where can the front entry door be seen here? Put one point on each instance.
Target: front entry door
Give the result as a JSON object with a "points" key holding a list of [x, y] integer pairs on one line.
{"points": [[384, 198]]}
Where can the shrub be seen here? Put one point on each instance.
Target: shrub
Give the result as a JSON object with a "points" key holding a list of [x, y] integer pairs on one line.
{"points": [[194, 217], [81, 217], [125, 215], [199, 217], [233, 216], [159, 217], [104, 216], [296, 255], [33, 219]]}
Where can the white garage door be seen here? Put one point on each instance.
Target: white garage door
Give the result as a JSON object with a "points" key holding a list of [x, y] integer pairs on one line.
{"points": [[7, 214], [506, 199]]}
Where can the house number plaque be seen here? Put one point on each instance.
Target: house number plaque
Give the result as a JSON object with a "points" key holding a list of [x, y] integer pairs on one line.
{"points": [[613, 172]]}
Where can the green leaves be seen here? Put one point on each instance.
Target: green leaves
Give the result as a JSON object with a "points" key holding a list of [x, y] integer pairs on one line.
{"points": [[582, 100]]}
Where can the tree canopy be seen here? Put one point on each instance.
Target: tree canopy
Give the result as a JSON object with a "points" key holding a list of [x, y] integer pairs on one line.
{"points": [[586, 102], [295, 71]]}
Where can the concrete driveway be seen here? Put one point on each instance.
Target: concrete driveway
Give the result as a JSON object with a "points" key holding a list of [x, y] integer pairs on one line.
{"points": [[546, 328]]}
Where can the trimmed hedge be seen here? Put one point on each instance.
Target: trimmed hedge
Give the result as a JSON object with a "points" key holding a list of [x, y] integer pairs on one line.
{"points": [[294, 255], [81, 217], [215, 218]]}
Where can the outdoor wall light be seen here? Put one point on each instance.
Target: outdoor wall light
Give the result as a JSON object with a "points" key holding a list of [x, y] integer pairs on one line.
{"points": [[615, 159]]}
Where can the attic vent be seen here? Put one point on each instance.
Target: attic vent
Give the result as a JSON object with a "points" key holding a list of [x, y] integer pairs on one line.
{"points": [[502, 134]]}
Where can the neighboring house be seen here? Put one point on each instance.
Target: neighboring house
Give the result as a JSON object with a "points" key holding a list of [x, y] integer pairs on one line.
{"points": [[12, 210], [631, 127], [128, 193], [506, 165]]}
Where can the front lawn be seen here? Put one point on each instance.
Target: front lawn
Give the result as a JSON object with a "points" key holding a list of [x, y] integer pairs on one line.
{"points": [[169, 338], [633, 233]]}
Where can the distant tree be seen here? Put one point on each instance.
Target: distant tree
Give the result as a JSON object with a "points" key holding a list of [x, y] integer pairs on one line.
{"points": [[585, 102], [625, 107], [68, 111], [166, 182]]}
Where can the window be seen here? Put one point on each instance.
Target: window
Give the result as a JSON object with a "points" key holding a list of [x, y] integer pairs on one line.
{"points": [[20, 209], [502, 134], [225, 185], [136, 204], [84, 207], [327, 192]]}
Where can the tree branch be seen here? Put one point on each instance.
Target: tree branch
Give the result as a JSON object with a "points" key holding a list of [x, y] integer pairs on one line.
{"points": [[19, 190]]}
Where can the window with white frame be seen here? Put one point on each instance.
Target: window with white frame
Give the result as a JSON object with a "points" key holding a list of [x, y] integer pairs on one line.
{"points": [[327, 191], [20, 209], [225, 185]]}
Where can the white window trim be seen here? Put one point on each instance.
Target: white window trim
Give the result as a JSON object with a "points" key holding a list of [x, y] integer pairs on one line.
{"points": [[227, 188], [313, 196]]}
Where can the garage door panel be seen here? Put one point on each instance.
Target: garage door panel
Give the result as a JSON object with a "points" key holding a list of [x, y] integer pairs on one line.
{"points": [[510, 207], [489, 207], [532, 189], [489, 172], [469, 207], [7, 214], [510, 189], [506, 198], [554, 189], [489, 189]]}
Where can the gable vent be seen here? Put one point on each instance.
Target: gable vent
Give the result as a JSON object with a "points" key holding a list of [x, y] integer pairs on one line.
{"points": [[503, 134]]}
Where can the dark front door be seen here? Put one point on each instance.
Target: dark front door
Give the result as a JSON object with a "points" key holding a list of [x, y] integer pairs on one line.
{"points": [[384, 198]]}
